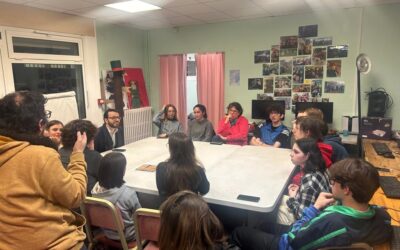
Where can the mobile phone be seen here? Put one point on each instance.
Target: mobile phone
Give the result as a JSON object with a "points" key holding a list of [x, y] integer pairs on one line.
{"points": [[248, 198], [118, 150]]}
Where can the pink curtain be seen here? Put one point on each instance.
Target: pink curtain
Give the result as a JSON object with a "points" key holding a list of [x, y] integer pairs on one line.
{"points": [[173, 84], [210, 84]]}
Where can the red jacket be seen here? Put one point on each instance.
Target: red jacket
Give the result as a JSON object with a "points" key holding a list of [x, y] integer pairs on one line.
{"points": [[236, 134]]}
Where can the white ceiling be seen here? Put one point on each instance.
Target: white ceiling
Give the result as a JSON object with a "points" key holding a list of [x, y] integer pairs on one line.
{"points": [[176, 13]]}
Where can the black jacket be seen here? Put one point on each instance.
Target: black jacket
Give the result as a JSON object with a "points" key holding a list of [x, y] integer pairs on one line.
{"points": [[103, 140]]}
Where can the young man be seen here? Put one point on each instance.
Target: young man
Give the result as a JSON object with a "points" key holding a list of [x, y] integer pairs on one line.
{"points": [[110, 135], [272, 132], [354, 182]]}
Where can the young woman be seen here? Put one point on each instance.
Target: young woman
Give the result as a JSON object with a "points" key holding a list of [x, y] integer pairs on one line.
{"points": [[167, 122], [111, 187], [53, 130], [188, 224], [181, 171], [307, 156], [200, 128], [233, 128]]}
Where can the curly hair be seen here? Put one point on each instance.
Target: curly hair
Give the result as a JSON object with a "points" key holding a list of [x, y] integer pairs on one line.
{"points": [[68, 137], [22, 112]]}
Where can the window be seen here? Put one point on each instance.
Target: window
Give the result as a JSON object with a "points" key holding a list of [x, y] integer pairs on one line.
{"points": [[191, 83], [41, 46]]}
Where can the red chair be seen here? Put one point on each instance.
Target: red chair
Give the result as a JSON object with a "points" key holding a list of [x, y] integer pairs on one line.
{"points": [[102, 213], [147, 227]]}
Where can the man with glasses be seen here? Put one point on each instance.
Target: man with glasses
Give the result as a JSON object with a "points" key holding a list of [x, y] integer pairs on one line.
{"points": [[325, 224], [110, 135]]}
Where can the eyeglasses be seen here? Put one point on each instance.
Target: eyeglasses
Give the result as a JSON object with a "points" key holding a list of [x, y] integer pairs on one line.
{"points": [[114, 118], [47, 113], [233, 111]]}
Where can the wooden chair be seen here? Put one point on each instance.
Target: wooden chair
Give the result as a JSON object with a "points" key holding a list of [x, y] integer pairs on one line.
{"points": [[102, 213], [354, 246], [147, 227]]}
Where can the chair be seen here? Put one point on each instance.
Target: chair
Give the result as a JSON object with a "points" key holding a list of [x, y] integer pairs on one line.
{"points": [[354, 246], [147, 227], [102, 213]]}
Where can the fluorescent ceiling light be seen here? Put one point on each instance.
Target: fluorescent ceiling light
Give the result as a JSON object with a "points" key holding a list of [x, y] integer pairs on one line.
{"points": [[133, 6]]}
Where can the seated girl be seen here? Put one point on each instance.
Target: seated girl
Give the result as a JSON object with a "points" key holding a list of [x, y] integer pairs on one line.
{"points": [[307, 156], [111, 187], [233, 128], [200, 128], [188, 223], [167, 122], [52, 130], [181, 171]]}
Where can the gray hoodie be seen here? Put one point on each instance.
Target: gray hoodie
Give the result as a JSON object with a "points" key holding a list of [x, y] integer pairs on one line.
{"points": [[126, 200]]}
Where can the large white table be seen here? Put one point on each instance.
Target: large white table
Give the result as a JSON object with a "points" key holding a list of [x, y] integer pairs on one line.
{"points": [[230, 169]]}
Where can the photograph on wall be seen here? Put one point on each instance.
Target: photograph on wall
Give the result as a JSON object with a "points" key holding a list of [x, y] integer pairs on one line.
{"points": [[334, 87], [287, 101], [301, 88], [255, 83], [322, 41], [338, 51], [319, 56], [300, 97], [316, 88], [288, 52], [270, 69], [302, 60], [314, 72], [234, 77], [268, 85], [334, 68], [262, 56], [288, 42], [305, 46], [275, 53], [283, 82], [298, 74], [285, 66], [265, 96], [308, 30]]}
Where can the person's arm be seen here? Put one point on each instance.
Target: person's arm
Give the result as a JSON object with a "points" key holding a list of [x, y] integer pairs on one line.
{"points": [[222, 126], [67, 188], [304, 198], [209, 133], [157, 118], [204, 186], [189, 132], [243, 129], [180, 128], [160, 178], [282, 139]]}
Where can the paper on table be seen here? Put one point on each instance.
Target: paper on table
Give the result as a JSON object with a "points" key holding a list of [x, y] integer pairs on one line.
{"points": [[147, 167]]}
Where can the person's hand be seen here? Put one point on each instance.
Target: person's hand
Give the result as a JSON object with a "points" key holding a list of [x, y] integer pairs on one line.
{"points": [[324, 200], [163, 107], [56, 140], [80, 143], [227, 117], [292, 190]]}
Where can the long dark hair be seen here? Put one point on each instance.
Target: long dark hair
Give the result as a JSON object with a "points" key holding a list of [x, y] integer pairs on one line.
{"points": [[187, 223], [315, 162], [202, 109], [166, 112], [112, 170], [182, 166]]}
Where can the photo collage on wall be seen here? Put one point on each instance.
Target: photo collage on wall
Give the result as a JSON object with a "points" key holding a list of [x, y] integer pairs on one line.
{"points": [[300, 69]]}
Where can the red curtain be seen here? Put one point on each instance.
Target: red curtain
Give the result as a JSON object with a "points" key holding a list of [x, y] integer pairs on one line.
{"points": [[210, 84], [173, 84]]}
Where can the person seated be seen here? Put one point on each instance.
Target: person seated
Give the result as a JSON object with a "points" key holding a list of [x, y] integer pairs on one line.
{"points": [[200, 128], [167, 122], [181, 171], [52, 129], [111, 187], [36, 192], [272, 132], [315, 179], [339, 152], [233, 128], [188, 223], [92, 157], [354, 182], [109, 135]]}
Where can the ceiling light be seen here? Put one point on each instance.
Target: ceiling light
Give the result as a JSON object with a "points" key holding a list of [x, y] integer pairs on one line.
{"points": [[133, 6]]}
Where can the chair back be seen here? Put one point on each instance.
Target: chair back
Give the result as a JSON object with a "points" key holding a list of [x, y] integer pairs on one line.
{"points": [[102, 213], [147, 224]]}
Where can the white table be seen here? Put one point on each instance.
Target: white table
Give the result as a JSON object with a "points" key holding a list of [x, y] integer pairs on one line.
{"points": [[230, 169]]}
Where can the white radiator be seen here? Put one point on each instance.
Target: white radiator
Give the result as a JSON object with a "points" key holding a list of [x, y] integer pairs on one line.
{"points": [[137, 124]]}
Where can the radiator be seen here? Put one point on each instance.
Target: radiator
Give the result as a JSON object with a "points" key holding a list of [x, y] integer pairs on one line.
{"points": [[137, 124]]}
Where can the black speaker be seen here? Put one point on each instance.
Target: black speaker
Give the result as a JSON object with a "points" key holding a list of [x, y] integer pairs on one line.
{"points": [[377, 103]]}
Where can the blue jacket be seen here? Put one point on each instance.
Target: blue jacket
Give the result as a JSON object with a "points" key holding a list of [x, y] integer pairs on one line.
{"points": [[337, 226], [268, 135]]}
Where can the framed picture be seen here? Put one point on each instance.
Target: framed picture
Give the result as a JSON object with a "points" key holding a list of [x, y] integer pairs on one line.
{"points": [[262, 56], [308, 30], [255, 83], [334, 68], [322, 41], [288, 42], [334, 87], [338, 51]]}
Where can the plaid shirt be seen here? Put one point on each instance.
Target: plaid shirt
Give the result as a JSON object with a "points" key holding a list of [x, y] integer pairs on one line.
{"points": [[311, 185]]}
